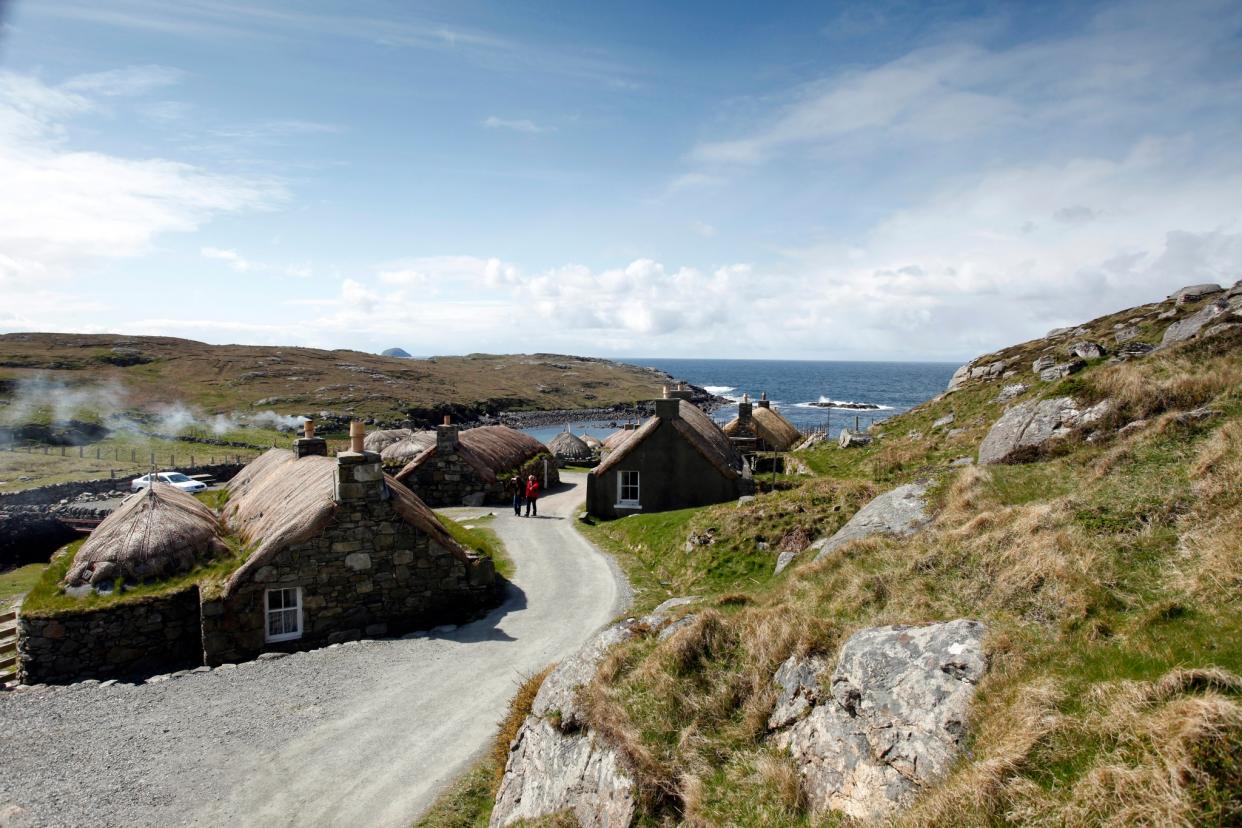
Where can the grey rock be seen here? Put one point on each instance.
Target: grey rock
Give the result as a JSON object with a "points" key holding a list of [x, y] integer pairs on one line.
{"points": [[1010, 391], [202, 669], [1043, 363], [852, 439], [550, 771], [960, 377], [358, 561], [963, 461], [559, 691], [1213, 330], [272, 656], [1061, 370], [1132, 350], [1193, 293], [798, 680], [900, 511], [1131, 427], [1026, 426], [943, 421], [677, 626], [1126, 333], [1087, 350], [894, 724], [1055, 332], [1184, 329]]}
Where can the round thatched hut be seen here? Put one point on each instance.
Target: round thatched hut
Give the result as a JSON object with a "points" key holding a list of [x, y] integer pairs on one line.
{"points": [[155, 534], [759, 427], [593, 442], [407, 448], [379, 440], [570, 449]]}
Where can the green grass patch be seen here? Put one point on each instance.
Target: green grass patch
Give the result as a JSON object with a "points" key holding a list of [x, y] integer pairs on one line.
{"points": [[14, 583], [481, 538], [47, 597], [467, 803]]}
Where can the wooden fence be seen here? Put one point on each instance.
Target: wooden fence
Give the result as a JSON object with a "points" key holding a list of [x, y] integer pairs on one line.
{"points": [[133, 457]]}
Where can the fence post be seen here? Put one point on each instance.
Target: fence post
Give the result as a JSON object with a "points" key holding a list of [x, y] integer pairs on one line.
{"points": [[62, 451], [133, 455], [80, 450], [191, 461]]}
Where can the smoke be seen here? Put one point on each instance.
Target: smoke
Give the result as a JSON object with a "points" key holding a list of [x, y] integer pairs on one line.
{"points": [[40, 399]]}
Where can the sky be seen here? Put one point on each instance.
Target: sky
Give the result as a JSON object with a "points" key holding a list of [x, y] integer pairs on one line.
{"points": [[872, 181]]}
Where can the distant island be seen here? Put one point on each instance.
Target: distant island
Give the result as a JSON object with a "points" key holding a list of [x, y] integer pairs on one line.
{"points": [[397, 352], [852, 406]]}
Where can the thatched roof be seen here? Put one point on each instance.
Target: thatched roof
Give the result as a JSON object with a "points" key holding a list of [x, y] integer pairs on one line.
{"points": [[569, 447], [778, 433], [382, 439], [488, 450], [160, 532], [407, 448], [278, 500], [614, 440], [696, 428], [592, 441]]}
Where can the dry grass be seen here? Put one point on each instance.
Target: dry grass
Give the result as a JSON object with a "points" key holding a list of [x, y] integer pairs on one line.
{"points": [[1213, 543], [1170, 383]]}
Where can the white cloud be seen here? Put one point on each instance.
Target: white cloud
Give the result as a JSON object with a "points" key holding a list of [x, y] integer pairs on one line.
{"points": [[231, 257], [516, 125], [241, 264], [63, 208], [437, 270], [704, 229]]}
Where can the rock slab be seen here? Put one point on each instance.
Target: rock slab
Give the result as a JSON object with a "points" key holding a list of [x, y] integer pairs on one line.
{"points": [[901, 511], [899, 705], [1027, 426], [1184, 329]]}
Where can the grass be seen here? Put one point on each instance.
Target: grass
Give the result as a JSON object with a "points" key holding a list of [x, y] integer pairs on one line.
{"points": [[1109, 574], [14, 583], [47, 596], [481, 538]]}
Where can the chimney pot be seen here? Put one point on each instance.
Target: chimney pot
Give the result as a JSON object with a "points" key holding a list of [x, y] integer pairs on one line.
{"points": [[448, 419], [308, 429], [357, 433]]}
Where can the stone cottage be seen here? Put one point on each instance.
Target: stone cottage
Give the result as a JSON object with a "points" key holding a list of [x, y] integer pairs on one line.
{"points": [[474, 465], [341, 551], [758, 427], [337, 550], [677, 459]]}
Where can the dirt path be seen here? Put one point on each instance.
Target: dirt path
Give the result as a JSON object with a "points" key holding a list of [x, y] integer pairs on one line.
{"points": [[359, 734]]}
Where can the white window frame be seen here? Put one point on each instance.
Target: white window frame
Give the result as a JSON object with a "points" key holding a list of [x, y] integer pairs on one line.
{"points": [[622, 501], [268, 612]]}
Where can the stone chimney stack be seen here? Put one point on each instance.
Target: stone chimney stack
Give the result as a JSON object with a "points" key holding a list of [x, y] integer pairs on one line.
{"points": [[764, 402], [680, 392], [446, 435], [308, 444], [359, 477], [744, 412], [669, 409]]}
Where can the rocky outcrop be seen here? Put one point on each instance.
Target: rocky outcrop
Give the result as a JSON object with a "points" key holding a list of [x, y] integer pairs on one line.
{"points": [[972, 372], [1184, 329], [1087, 350], [1027, 426], [852, 439], [1193, 293], [900, 511], [893, 720], [556, 763]]}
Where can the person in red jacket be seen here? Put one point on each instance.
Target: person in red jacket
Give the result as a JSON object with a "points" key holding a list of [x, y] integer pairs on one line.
{"points": [[532, 495]]}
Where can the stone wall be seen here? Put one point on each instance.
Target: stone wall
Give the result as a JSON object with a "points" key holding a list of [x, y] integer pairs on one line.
{"points": [[49, 495], [130, 639], [31, 536], [368, 573], [444, 479]]}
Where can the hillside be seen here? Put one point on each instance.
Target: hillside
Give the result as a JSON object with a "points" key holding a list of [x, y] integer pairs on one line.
{"points": [[1098, 544], [142, 373]]}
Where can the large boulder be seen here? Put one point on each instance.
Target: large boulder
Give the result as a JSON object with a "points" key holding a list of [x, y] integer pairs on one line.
{"points": [[901, 511], [1027, 426], [1193, 293], [555, 762], [895, 719], [1184, 329]]}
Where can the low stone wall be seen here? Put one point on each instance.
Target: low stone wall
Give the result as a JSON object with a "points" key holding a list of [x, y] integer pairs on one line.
{"points": [[130, 639], [48, 495], [31, 536]]}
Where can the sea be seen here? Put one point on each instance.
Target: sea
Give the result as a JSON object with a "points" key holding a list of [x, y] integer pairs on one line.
{"points": [[794, 385]]}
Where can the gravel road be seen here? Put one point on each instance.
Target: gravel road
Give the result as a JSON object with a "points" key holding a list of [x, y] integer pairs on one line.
{"points": [[364, 733]]}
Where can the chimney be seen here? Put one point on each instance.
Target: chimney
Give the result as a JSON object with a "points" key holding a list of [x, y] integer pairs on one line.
{"points": [[744, 411], [764, 402], [668, 409], [308, 444], [359, 478], [666, 390], [446, 435]]}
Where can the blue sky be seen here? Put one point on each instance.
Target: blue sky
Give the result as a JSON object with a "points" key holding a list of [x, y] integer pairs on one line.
{"points": [[853, 181]]}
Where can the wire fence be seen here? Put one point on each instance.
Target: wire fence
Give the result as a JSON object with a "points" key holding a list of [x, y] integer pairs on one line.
{"points": [[132, 457]]}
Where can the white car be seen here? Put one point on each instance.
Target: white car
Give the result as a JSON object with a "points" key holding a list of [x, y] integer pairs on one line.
{"points": [[177, 479]]}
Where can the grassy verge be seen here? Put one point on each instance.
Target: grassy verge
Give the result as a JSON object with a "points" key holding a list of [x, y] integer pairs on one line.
{"points": [[14, 583], [480, 538], [47, 596]]}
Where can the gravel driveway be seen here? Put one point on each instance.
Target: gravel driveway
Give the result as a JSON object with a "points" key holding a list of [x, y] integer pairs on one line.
{"points": [[365, 733]]}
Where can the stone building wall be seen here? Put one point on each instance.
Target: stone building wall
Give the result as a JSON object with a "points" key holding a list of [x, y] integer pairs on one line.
{"points": [[368, 573], [130, 639], [445, 479], [54, 493]]}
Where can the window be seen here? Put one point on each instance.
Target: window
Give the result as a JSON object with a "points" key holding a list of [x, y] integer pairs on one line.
{"points": [[284, 614], [628, 489]]}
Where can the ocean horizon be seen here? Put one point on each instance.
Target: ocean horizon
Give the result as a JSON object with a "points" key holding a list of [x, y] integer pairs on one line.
{"points": [[814, 395]]}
